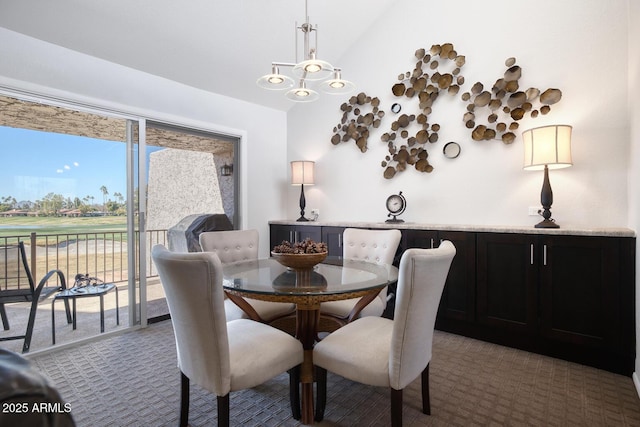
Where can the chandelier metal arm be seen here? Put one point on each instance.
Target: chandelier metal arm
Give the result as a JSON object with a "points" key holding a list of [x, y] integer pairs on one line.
{"points": [[283, 64]]}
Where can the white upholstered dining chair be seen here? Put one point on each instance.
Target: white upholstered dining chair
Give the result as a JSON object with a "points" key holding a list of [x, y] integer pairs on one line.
{"points": [[242, 245], [378, 246], [217, 355], [391, 353]]}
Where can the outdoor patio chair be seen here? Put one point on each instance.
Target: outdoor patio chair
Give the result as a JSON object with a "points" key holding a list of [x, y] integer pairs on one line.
{"points": [[17, 285]]}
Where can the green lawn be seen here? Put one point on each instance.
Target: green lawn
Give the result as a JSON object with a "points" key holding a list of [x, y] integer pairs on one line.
{"points": [[24, 226]]}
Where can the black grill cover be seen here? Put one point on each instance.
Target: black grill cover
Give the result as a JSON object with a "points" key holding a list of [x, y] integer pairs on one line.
{"points": [[183, 237]]}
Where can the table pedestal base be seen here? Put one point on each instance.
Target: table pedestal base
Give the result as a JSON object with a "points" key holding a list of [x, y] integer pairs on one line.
{"points": [[306, 330]]}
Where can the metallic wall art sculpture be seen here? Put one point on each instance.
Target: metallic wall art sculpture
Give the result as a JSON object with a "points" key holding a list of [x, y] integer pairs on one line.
{"points": [[355, 122], [506, 104], [436, 71], [490, 114]]}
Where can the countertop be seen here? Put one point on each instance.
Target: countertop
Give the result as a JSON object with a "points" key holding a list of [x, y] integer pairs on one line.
{"points": [[571, 231]]}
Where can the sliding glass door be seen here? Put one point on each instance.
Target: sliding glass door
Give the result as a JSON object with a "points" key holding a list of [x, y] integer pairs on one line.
{"points": [[91, 192], [190, 174], [70, 190]]}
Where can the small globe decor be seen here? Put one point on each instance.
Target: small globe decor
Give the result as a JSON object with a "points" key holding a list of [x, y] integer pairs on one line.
{"points": [[300, 255]]}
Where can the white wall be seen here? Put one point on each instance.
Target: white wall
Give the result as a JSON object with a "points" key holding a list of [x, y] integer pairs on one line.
{"points": [[576, 45], [634, 171], [33, 65]]}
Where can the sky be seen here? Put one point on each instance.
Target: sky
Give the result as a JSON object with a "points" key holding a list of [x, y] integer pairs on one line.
{"points": [[37, 163]]}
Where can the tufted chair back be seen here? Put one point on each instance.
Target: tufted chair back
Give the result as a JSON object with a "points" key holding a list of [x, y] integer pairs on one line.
{"points": [[377, 246], [232, 245], [242, 245]]}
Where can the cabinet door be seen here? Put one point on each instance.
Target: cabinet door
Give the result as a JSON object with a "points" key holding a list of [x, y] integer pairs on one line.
{"points": [[294, 233], [312, 232], [332, 236], [580, 285], [458, 297], [507, 281], [280, 233], [424, 239]]}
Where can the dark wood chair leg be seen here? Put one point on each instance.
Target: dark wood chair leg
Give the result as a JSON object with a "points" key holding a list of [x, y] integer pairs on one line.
{"points": [[426, 400], [294, 392], [396, 408], [184, 401], [321, 393], [223, 411]]}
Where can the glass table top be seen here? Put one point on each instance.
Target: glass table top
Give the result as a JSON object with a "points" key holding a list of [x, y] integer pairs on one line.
{"points": [[333, 276]]}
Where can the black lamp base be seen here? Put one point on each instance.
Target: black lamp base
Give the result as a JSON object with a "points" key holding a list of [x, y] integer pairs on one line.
{"points": [[547, 223], [303, 204], [546, 198]]}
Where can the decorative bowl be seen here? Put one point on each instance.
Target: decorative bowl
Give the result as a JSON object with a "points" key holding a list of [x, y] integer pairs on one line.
{"points": [[299, 261]]}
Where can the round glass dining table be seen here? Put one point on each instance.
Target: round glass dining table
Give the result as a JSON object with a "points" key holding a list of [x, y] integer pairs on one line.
{"points": [[334, 279]]}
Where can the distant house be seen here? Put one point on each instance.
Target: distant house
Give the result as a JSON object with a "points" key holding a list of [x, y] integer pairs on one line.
{"points": [[14, 212], [70, 212]]}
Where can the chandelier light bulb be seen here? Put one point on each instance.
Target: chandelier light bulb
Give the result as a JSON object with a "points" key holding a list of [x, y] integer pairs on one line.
{"points": [[312, 68], [337, 85], [275, 80], [302, 94]]}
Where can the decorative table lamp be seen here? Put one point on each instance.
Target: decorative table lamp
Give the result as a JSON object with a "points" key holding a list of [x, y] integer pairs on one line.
{"points": [[301, 174], [547, 147]]}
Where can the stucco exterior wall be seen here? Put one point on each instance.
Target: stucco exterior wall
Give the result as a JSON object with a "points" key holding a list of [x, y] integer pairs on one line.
{"points": [[181, 183]]}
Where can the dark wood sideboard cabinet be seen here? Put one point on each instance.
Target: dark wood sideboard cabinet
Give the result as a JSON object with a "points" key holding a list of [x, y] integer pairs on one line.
{"points": [[570, 296], [294, 233]]}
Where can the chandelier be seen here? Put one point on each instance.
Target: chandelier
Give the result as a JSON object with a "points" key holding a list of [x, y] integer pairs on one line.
{"points": [[310, 69]]}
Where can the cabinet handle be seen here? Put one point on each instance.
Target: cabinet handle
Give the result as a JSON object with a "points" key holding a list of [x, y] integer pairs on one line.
{"points": [[432, 243], [532, 254], [544, 255], [339, 240]]}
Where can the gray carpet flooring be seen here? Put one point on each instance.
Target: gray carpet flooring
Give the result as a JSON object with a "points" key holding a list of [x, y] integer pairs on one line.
{"points": [[132, 380]]}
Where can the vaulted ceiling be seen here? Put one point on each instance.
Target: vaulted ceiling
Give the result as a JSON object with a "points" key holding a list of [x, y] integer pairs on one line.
{"points": [[221, 46]]}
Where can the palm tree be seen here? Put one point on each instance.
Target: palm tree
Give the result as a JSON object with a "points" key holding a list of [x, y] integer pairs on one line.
{"points": [[104, 197]]}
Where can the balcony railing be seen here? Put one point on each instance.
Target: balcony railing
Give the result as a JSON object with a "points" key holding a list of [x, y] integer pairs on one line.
{"points": [[102, 254]]}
